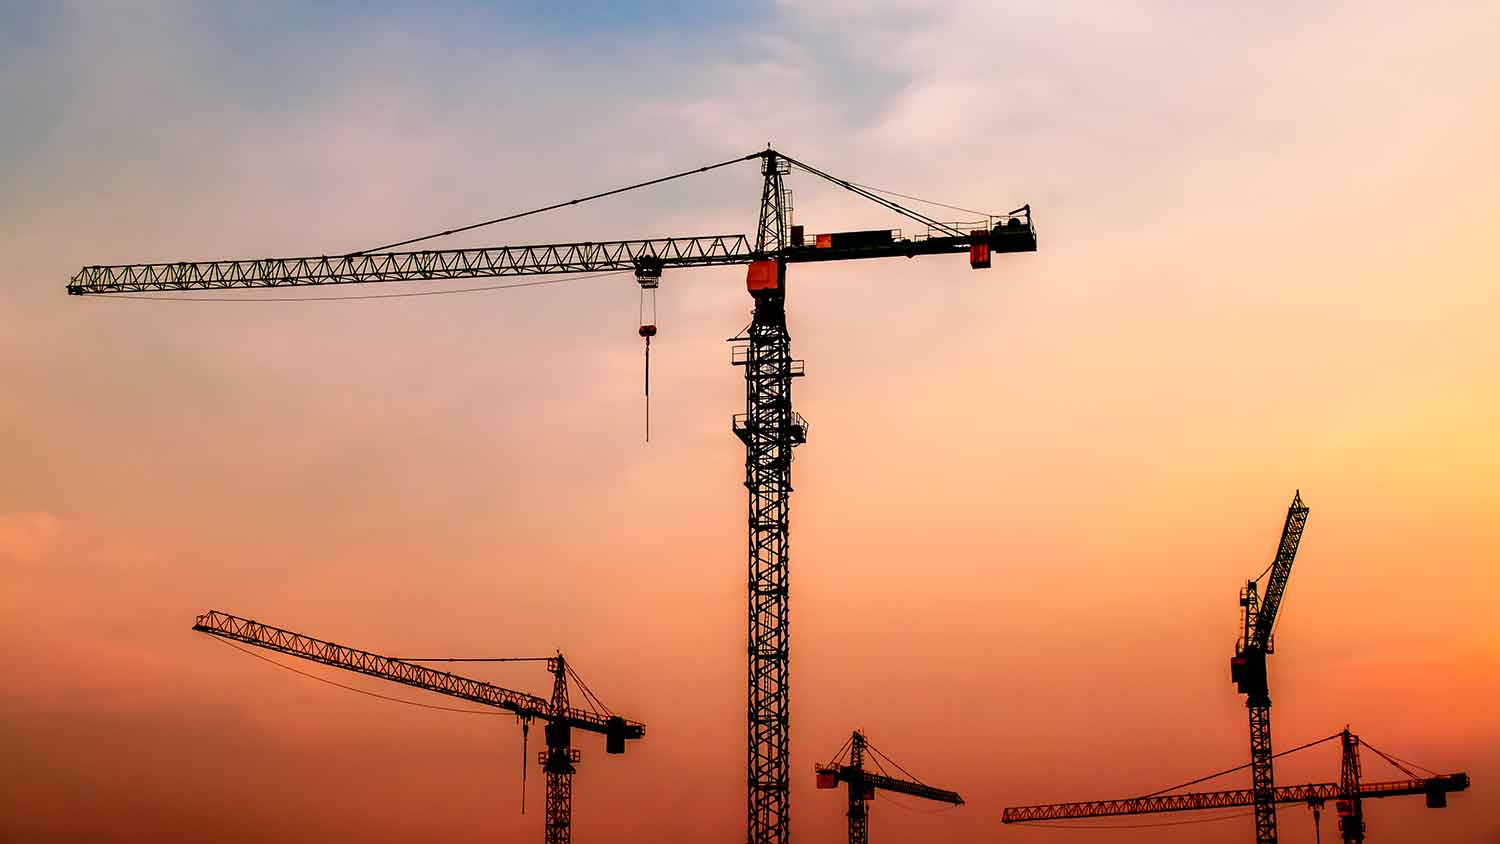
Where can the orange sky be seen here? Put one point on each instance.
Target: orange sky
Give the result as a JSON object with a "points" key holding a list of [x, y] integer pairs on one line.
{"points": [[1029, 498]]}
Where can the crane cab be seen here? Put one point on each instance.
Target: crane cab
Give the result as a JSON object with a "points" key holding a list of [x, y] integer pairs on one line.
{"points": [[1247, 670], [765, 275], [979, 249]]}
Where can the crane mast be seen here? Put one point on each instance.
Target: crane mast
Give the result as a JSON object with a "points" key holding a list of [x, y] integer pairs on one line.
{"points": [[1349, 808], [769, 427], [560, 718], [769, 430], [1248, 667]]}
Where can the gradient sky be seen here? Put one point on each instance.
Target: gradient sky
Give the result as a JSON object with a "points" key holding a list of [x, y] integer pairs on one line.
{"points": [[1268, 262]]}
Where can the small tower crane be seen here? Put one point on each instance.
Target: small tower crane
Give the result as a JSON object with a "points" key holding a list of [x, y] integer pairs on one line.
{"points": [[1347, 793], [558, 717], [862, 783], [1248, 667], [769, 428]]}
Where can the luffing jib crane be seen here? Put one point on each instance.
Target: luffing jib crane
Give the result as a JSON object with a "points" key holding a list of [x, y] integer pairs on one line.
{"points": [[862, 784], [1347, 795], [558, 717], [769, 427], [1248, 666]]}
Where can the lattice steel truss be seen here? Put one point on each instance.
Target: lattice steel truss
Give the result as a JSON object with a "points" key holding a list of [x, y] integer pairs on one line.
{"points": [[1350, 807], [859, 813], [558, 759], [423, 265], [770, 430], [1240, 797], [1248, 668], [1262, 776]]}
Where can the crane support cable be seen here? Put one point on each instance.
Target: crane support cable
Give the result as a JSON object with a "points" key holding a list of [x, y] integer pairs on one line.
{"points": [[886, 203], [1215, 819], [843, 748], [909, 774], [507, 218], [921, 200], [867, 194], [588, 693], [1397, 763], [1239, 767], [367, 692]]}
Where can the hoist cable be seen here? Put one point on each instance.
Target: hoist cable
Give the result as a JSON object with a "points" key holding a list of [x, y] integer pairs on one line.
{"points": [[525, 757]]}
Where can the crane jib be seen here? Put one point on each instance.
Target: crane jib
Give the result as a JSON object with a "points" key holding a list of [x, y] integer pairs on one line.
{"points": [[234, 628], [506, 261], [1281, 569], [1193, 802]]}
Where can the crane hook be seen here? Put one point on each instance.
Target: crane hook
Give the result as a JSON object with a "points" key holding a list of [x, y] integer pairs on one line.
{"points": [[525, 734], [648, 276], [648, 331]]}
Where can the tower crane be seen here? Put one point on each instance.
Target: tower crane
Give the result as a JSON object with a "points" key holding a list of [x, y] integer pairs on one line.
{"points": [[1248, 667], [769, 427], [559, 718], [1347, 793], [862, 783]]}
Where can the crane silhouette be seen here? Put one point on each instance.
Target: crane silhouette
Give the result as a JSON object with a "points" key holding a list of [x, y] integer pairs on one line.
{"points": [[769, 427], [559, 718], [1248, 666], [862, 784]]}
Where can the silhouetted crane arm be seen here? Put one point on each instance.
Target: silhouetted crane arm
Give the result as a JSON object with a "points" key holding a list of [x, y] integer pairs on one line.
{"points": [[1009, 234], [1286, 552], [423, 265], [844, 773], [1228, 799], [238, 629]]}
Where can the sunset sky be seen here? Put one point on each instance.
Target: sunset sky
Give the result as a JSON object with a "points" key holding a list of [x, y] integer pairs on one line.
{"points": [[1030, 496]]}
